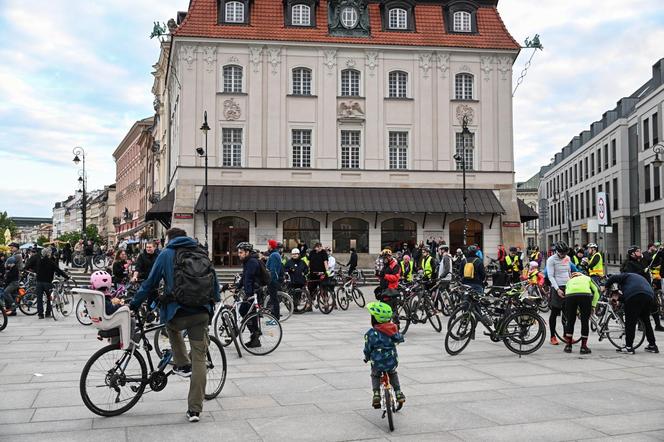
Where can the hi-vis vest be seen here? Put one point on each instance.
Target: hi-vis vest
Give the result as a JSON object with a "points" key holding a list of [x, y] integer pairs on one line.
{"points": [[655, 272], [598, 270], [407, 274], [425, 265], [512, 262]]}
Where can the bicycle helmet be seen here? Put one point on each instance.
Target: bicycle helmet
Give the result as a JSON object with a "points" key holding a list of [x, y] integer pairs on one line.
{"points": [[561, 247], [533, 264], [472, 250], [381, 311], [575, 274], [592, 245], [513, 249], [245, 246], [386, 252], [632, 250], [295, 252], [100, 280]]}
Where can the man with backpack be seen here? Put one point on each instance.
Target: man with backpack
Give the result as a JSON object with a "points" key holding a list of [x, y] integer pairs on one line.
{"points": [[190, 291], [255, 277], [276, 269], [473, 271]]}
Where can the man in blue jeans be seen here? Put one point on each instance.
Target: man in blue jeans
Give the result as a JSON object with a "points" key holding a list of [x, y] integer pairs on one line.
{"points": [[276, 269]]}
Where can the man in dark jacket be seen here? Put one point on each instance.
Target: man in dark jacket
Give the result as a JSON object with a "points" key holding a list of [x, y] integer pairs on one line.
{"points": [[352, 262], [637, 294], [144, 263], [276, 269], [89, 251], [178, 317], [477, 281], [45, 269], [297, 270], [250, 283], [635, 264]]}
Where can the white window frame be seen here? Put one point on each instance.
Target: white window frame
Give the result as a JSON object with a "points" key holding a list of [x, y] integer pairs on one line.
{"points": [[406, 164], [468, 148], [360, 151], [302, 83], [292, 147], [467, 82], [397, 18], [233, 80], [234, 12], [302, 17], [345, 17], [397, 87], [350, 71], [242, 147], [462, 21]]}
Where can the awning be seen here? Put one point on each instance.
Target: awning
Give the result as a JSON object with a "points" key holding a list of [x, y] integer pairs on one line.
{"points": [[346, 199], [131, 231], [162, 210], [526, 212]]}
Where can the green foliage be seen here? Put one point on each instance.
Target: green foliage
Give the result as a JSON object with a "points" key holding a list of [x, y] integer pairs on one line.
{"points": [[6, 223], [42, 240], [91, 233]]}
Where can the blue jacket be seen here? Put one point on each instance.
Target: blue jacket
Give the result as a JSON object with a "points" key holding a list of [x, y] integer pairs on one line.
{"points": [[163, 268], [380, 346], [275, 266], [250, 275], [631, 284]]}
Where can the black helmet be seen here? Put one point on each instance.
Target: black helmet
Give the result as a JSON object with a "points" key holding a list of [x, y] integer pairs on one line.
{"points": [[513, 250], [245, 246], [632, 250], [561, 246], [472, 250]]}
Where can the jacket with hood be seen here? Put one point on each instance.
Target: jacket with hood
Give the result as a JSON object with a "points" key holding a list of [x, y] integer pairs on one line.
{"points": [[164, 268], [390, 275], [380, 346], [144, 264]]}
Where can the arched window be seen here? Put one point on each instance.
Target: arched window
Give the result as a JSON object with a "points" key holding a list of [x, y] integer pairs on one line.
{"points": [[398, 18], [301, 231], [350, 83], [462, 21], [233, 79], [234, 12], [227, 233], [397, 84], [301, 15], [350, 233], [465, 151], [463, 86], [474, 234], [395, 232], [301, 81]]}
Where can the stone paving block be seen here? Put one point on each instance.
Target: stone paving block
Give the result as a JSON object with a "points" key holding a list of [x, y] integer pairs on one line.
{"points": [[12, 400], [58, 397], [116, 435], [74, 412], [447, 374], [320, 396], [441, 436], [324, 427], [519, 368], [462, 386], [542, 431], [238, 430], [297, 411], [47, 427], [280, 384], [16, 416], [607, 402], [244, 402], [624, 423], [130, 421]]}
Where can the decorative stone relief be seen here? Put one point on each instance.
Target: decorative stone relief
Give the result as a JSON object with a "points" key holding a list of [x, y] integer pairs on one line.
{"points": [[465, 68], [443, 63], [463, 110], [233, 59], [210, 57], [188, 55], [350, 109], [504, 66], [255, 56], [486, 67], [274, 58], [330, 60], [350, 63], [372, 62], [425, 63], [231, 109]]}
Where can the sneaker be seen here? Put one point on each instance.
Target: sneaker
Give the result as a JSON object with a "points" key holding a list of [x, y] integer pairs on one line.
{"points": [[626, 350], [48, 313], [652, 349], [568, 348], [585, 350], [41, 316], [659, 328], [375, 401], [255, 342], [554, 340], [401, 398], [193, 416], [184, 371]]}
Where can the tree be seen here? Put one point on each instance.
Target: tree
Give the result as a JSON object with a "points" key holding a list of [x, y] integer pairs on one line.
{"points": [[6, 223], [91, 232], [42, 240]]}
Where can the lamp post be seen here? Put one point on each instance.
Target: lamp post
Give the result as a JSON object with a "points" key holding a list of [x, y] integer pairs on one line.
{"points": [[555, 200], [79, 153], [658, 149], [462, 160], [204, 152]]}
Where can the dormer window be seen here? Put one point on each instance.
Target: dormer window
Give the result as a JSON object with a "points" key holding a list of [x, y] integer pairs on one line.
{"points": [[301, 15], [233, 12], [462, 21], [398, 15], [349, 17], [461, 16], [398, 18]]}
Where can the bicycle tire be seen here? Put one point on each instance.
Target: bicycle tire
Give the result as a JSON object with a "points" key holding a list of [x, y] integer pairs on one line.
{"points": [[159, 341], [232, 331], [211, 393], [357, 296], [3, 319], [28, 304], [86, 371], [463, 334], [342, 299], [99, 261], [303, 304], [271, 332], [219, 329], [325, 300], [561, 337], [538, 339], [618, 339], [82, 313], [286, 301], [403, 316], [78, 260], [434, 319], [388, 409]]}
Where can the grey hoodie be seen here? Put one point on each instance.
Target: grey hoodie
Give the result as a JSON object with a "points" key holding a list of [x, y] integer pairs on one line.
{"points": [[558, 270]]}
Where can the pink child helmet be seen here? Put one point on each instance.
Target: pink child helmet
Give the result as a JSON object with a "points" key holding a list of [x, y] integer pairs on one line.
{"points": [[100, 280]]}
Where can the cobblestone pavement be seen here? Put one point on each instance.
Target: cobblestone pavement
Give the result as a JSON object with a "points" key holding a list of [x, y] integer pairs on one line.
{"points": [[316, 387]]}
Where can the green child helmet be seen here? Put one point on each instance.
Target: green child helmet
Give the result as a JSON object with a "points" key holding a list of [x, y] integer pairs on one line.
{"points": [[381, 311]]}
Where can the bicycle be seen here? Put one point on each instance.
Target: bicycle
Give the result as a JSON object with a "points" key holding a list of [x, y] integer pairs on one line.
{"points": [[3, 317], [388, 401], [102, 260], [349, 292], [285, 305], [323, 295], [78, 259], [115, 377], [62, 299]]}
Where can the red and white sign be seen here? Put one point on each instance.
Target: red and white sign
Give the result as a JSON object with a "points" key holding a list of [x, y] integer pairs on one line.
{"points": [[602, 209]]}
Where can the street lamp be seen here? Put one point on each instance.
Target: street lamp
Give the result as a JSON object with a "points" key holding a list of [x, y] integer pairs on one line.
{"points": [[82, 178], [658, 149], [555, 200], [465, 133], [204, 152]]}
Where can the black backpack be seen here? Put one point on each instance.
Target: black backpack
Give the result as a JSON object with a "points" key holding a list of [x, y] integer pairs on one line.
{"points": [[264, 276], [193, 277]]}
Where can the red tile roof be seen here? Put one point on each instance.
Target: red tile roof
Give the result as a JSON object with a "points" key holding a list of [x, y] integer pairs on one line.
{"points": [[267, 23]]}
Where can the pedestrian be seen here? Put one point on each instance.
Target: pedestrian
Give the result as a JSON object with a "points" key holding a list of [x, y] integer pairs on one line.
{"points": [[46, 270], [186, 307], [581, 295], [407, 269], [559, 273], [352, 262], [88, 251], [388, 279], [317, 266], [445, 268], [66, 254], [297, 269], [634, 264], [473, 273], [512, 266], [501, 253], [276, 270]]}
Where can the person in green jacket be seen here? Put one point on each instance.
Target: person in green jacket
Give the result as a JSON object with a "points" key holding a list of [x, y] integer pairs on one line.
{"points": [[580, 294]]}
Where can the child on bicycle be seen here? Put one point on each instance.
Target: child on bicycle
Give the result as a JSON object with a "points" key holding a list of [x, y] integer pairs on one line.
{"points": [[380, 348], [103, 282]]}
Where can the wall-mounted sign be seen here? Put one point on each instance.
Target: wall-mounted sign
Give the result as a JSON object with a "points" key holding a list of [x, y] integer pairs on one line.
{"points": [[511, 224], [183, 215]]}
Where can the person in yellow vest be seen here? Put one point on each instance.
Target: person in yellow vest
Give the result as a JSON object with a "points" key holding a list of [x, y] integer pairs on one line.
{"points": [[654, 263], [581, 295], [577, 259], [536, 256], [595, 264], [512, 266], [426, 264], [407, 269]]}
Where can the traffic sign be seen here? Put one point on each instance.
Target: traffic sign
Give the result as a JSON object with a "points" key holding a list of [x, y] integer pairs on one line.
{"points": [[602, 209]]}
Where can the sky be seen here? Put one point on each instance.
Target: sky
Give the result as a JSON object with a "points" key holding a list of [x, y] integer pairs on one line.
{"points": [[77, 73]]}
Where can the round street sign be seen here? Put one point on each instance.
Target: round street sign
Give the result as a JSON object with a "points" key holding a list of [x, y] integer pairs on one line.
{"points": [[601, 212]]}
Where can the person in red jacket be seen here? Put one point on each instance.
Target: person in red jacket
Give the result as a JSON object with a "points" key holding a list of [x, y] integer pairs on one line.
{"points": [[389, 278], [501, 253]]}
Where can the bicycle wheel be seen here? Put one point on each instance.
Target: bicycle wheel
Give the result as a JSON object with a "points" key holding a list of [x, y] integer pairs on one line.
{"points": [[615, 331], [342, 299], [3, 319], [459, 334], [28, 304], [325, 300], [78, 260], [267, 328], [388, 408], [560, 334], [300, 300], [358, 297], [285, 306], [113, 380], [99, 261], [445, 303], [82, 313], [433, 317], [160, 342], [523, 332], [216, 369], [402, 316]]}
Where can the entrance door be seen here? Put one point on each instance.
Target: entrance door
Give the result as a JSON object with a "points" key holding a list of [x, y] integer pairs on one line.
{"points": [[227, 232]]}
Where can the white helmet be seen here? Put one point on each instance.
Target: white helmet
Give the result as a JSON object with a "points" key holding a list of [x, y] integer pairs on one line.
{"points": [[592, 245], [295, 252]]}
